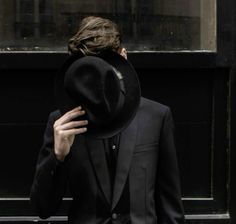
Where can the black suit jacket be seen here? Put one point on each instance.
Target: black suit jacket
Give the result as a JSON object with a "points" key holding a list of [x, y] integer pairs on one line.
{"points": [[147, 164]]}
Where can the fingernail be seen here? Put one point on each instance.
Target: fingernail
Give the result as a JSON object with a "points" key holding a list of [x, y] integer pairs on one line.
{"points": [[85, 129]]}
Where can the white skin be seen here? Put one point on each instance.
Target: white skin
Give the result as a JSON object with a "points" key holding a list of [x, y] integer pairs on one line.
{"points": [[65, 129]]}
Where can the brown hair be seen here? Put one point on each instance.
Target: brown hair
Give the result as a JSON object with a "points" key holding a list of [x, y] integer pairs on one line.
{"points": [[95, 34]]}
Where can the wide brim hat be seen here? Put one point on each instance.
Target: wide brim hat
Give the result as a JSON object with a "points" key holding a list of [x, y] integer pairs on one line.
{"points": [[130, 104]]}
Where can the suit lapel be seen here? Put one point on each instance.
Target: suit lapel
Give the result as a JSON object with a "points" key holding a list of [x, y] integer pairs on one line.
{"points": [[127, 142], [98, 158]]}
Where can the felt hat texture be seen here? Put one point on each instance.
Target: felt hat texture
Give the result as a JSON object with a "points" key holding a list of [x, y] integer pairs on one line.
{"points": [[107, 88]]}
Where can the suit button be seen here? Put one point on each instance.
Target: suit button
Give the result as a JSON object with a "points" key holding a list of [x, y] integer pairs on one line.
{"points": [[114, 216]]}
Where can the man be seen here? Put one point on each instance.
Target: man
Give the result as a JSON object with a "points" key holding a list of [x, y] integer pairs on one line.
{"points": [[116, 151]]}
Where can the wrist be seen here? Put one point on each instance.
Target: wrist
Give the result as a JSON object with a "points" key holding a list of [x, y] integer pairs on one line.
{"points": [[59, 156]]}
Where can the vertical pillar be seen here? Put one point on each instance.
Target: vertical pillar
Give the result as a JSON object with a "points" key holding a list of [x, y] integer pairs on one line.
{"points": [[134, 12], [208, 25], [232, 119], [1, 21], [36, 19], [17, 29]]}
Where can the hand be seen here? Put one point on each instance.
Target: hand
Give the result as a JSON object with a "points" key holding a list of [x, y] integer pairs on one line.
{"points": [[65, 130]]}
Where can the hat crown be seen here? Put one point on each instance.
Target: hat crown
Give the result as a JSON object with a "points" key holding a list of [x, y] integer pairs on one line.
{"points": [[96, 85], [107, 116]]}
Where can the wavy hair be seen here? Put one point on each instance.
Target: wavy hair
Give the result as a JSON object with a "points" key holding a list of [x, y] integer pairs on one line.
{"points": [[95, 34]]}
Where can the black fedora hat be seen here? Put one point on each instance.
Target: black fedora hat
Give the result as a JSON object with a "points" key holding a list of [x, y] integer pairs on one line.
{"points": [[107, 88]]}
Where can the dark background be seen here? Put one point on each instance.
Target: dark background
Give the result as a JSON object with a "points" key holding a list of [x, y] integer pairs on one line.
{"points": [[199, 87]]}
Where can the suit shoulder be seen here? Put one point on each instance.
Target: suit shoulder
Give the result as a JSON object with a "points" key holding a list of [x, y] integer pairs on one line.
{"points": [[153, 106]]}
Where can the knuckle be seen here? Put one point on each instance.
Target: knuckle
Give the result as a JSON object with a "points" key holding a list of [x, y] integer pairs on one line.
{"points": [[60, 132], [56, 129], [70, 116]]}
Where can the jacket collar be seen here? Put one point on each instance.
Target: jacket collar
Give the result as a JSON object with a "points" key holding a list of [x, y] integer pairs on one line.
{"points": [[98, 159], [127, 143]]}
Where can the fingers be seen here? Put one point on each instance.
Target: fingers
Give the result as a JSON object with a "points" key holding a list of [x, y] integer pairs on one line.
{"points": [[65, 127], [73, 124], [75, 131], [66, 134], [70, 115], [60, 133]]}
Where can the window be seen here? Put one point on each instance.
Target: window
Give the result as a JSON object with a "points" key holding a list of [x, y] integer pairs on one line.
{"points": [[148, 25]]}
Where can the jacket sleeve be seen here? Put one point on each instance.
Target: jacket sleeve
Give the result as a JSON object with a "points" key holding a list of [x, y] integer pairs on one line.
{"points": [[168, 194], [50, 178]]}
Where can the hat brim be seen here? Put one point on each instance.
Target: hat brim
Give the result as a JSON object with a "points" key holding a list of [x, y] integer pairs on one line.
{"points": [[131, 103]]}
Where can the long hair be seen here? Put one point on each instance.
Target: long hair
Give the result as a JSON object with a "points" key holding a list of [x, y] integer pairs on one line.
{"points": [[95, 34]]}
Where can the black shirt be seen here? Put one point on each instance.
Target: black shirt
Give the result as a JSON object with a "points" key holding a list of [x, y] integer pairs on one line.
{"points": [[111, 146]]}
